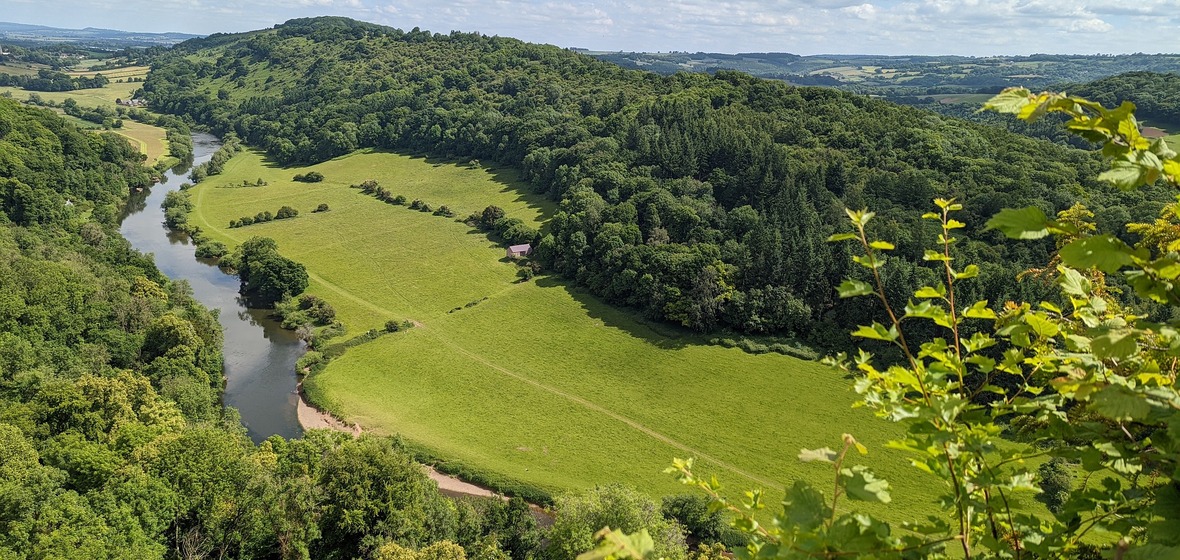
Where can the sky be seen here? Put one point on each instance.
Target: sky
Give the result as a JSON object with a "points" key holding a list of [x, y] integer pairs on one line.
{"points": [[964, 27]]}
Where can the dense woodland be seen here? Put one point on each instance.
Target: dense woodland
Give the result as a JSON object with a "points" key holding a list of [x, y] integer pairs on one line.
{"points": [[700, 199], [113, 441], [1156, 96]]}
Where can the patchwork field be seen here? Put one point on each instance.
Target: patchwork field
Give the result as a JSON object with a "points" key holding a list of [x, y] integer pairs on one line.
{"points": [[539, 381], [85, 97]]}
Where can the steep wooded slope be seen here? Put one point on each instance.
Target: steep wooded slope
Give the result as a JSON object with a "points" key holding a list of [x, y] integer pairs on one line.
{"points": [[703, 200]]}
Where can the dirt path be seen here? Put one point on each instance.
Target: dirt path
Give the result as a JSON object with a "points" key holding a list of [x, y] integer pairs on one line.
{"points": [[312, 418]]}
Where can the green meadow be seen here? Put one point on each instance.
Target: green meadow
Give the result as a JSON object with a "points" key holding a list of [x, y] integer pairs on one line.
{"points": [[538, 382]]}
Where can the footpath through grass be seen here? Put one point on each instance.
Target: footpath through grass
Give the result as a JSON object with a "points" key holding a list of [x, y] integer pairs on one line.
{"points": [[538, 382]]}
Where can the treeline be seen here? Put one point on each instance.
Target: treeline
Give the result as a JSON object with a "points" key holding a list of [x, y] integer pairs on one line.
{"points": [[113, 441], [230, 145], [703, 200], [48, 80]]}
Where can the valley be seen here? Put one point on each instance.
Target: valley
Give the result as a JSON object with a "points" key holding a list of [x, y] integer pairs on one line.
{"points": [[540, 382]]}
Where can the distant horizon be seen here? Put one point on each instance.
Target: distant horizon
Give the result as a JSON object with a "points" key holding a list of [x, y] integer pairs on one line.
{"points": [[804, 27]]}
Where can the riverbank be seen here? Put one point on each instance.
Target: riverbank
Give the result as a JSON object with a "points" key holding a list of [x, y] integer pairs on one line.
{"points": [[312, 418]]}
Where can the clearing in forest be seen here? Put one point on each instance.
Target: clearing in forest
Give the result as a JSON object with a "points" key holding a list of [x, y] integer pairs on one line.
{"points": [[536, 381]]}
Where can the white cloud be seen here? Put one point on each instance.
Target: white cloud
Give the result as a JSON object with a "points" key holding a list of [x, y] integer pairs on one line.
{"points": [[977, 27], [1091, 25]]}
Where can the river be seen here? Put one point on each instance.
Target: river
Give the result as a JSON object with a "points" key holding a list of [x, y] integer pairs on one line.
{"points": [[259, 354]]}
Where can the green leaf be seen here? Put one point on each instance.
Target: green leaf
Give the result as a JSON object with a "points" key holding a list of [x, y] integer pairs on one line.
{"points": [[805, 507], [853, 288], [1120, 404], [971, 271], [1010, 101], [1041, 325], [1072, 282], [876, 332], [824, 454], [861, 484], [1126, 175], [841, 237], [1020, 223], [1104, 252], [616, 544], [882, 245], [979, 311], [1118, 344], [926, 292]]}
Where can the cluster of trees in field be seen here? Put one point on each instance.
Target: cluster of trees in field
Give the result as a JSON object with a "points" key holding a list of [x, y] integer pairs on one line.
{"points": [[371, 187], [113, 441], [49, 80], [512, 230], [284, 213], [703, 200]]}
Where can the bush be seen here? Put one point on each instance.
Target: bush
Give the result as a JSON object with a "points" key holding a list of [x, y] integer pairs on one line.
{"points": [[286, 212], [425, 208], [310, 177], [323, 207], [392, 326], [615, 506], [444, 210], [416, 205], [211, 250], [1056, 483], [399, 200], [691, 511]]}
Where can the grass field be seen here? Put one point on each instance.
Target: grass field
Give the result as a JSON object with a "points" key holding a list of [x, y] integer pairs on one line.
{"points": [[539, 382], [20, 68], [85, 97], [115, 73]]}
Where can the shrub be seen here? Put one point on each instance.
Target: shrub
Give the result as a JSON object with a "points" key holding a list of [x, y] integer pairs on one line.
{"points": [[444, 210], [1056, 483], [286, 212], [310, 177], [211, 250], [323, 207], [425, 208], [416, 205], [489, 217], [692, 512], [399, 200], [392, 326]]}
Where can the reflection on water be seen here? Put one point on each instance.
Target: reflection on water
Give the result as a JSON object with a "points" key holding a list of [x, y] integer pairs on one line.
{"points": [[259, 355]]}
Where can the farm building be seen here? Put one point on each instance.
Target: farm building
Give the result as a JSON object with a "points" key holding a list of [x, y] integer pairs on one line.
{"points": [[518, 251]]}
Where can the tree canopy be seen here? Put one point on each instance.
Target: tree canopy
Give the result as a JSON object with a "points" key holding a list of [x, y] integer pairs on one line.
{"points": [[699, 199]]}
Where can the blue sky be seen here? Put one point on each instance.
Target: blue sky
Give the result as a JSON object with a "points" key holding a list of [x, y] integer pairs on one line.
{"points": [[969, 27]]}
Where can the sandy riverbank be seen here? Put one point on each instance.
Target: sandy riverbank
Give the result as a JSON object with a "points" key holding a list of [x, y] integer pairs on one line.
{"points": [[312, 418]]}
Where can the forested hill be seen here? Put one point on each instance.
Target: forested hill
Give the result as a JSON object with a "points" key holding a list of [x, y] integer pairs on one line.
{"points": [[703, 200], [113, 441], [1156, 96]]}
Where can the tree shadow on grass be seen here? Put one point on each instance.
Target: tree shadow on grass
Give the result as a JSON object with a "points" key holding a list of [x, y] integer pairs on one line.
{"points": [[501, 174], [658, 334]]}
